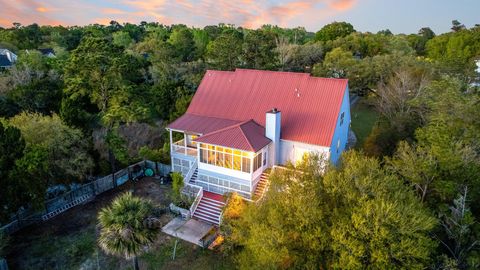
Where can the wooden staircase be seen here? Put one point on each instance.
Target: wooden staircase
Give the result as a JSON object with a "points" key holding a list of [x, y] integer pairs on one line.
{"points": [[193, 179], [262, 186], [210, 208]]}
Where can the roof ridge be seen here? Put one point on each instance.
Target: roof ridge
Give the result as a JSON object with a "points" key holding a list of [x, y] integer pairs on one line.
{"points": [[243, 133], [227, 128], [202, 115]]}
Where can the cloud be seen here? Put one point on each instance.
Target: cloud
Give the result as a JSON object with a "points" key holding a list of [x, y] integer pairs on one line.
{"points": [[113, 11], [41, 9], [247, 13], [342, 5]]}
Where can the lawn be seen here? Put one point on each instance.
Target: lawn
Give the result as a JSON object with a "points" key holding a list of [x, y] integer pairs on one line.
{"points": [[68, 241], [364, 118]]}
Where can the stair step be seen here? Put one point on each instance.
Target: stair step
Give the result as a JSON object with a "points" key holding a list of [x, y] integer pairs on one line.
{"points": [[209, 208], [213, 201], [208, 212], [209, 218]]}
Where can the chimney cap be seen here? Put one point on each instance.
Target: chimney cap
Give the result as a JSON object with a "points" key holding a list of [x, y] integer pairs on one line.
{"points": [[273, 110]]}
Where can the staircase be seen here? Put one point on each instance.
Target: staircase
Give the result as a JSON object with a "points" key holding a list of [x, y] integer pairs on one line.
{"points": [[193, 179], [209, 209], [262, 186]]}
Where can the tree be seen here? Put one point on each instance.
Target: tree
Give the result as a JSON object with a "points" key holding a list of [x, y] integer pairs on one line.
{"points": [[177, 185], [417, 166], [102, 81], [3, 243], [182, 40], [259, 50], [123, 231], [11, 146], [333, 31], [225, 52], [337, 64], [394, 96], [355, 216], [68, 158], [461, 239], [377, 221], [122, 39]]}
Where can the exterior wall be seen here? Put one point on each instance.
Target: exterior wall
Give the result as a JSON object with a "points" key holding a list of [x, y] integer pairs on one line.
{"points": [[293, 151], [222, 183], [340, 136], [224, 171]]}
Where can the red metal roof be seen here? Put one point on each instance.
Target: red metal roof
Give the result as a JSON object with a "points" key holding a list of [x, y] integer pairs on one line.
{"points": [[247, 135], [200, 124], [309, 105]]}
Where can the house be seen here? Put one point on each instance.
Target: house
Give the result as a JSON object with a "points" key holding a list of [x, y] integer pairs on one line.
{"points": [[242, 122], [47, 52], [7, 58]]}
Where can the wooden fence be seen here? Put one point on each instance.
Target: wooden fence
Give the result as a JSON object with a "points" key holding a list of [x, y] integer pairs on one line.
{"points": [[82, 194]]}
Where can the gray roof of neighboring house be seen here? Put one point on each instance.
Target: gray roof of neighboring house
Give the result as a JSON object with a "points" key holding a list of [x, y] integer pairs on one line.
{"points": [[4, 61], [47, 51]]}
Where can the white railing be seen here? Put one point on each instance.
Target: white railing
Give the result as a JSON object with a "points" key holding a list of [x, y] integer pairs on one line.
{"points": [[190, 173], [197, 200], [180, 148]]}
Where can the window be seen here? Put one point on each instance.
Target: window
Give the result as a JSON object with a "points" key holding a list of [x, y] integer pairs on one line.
{"points": [[342, 116], [338, 145], [265, 159], [246, 164], [228, 158], [257, 162], [204, 155]]}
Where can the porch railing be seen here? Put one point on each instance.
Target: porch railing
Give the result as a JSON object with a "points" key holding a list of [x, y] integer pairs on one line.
{"points": [[180, 148]]}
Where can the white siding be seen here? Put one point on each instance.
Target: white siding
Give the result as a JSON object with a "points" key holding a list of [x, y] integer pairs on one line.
{"points": [[293, 151]]}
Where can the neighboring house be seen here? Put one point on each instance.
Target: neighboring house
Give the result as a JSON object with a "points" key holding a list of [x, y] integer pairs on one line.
{"points": [[7, 58], [241, 123], [48, 52]]}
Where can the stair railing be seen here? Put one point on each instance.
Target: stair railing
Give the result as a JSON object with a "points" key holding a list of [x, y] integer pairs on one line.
{"points": [[190, 172], [197, 200]]}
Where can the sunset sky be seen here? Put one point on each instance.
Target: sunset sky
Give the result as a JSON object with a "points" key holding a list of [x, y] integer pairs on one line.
{"points": [[400, 16]]}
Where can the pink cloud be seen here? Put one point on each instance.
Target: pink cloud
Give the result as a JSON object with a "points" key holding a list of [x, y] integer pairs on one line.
{"points": [[343, 4], [113, 11], [247, 13]]}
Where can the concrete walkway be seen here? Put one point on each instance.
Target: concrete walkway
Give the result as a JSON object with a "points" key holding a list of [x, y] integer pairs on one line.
{"points": [[191, 231]]}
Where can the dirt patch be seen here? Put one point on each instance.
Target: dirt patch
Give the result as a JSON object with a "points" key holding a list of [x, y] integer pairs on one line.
{"points": [[43, 245]]}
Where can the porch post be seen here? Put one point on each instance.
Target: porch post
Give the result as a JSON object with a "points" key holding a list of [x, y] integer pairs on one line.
{"points": [[171, 149], [251, 165], [171, 141], [185, 143]]}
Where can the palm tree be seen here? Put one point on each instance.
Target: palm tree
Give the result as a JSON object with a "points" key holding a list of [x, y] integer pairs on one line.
{"points": [[123, 230]]}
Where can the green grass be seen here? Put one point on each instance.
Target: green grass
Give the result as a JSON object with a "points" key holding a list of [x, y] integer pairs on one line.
{"points": [[364, 118], [60, 252], [187, 256]]}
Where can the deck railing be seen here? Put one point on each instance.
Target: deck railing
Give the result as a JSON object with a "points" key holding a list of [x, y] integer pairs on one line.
{"points": [[180, 148]]}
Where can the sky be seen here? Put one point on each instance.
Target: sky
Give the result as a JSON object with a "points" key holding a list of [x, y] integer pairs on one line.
{"points": [[400, 16]]}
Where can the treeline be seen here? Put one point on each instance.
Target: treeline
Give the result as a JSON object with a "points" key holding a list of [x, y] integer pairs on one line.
{"points": [[105, 97]]}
